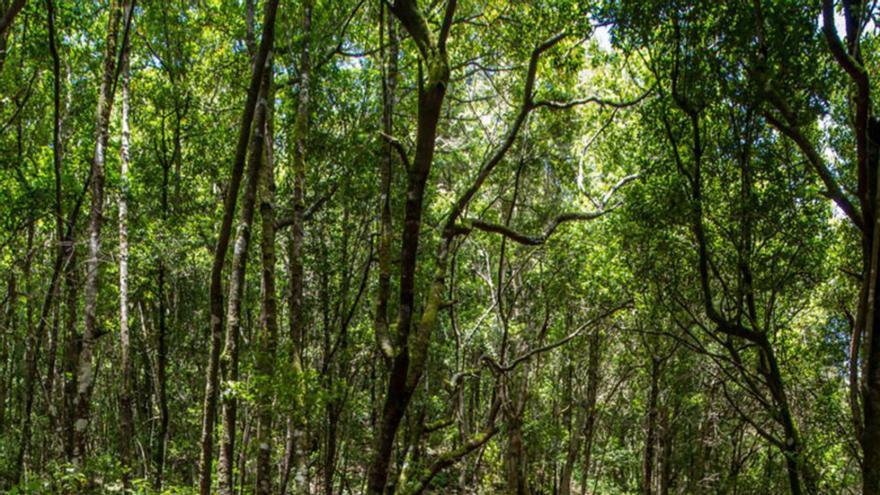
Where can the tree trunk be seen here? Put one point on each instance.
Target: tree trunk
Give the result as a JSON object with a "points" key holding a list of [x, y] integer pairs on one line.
{"points": [[159, 451], [649, 458], [870, 439], [57, 159], [389, 95], [265, 360], [73, 343], [229, 360], [8, 335], [515, 459], [161, 355], [294, 457], [215, 295], [592, 392], [405, 374], [85, 372], [126, 395]]}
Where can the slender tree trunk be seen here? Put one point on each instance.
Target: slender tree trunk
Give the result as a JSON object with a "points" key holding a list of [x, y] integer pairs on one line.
{"points": [[57, 159], [159, 452], [294, 458], [405, 374], [85, 372], [230, 357], [515, 459], [389, 95], [72, 346], [8, 336], [216, 286], [126, 396], [265, 361], [592, 392], [665, 454], [870, 438], [575, 420], [649, 458]]}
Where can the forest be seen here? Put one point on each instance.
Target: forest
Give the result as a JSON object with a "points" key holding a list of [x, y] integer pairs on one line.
{"points": [[403, 247]]}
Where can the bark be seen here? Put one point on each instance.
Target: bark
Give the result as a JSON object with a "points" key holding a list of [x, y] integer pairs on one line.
{"points": [[515, 459], [651, 419], [389, 95], [230, 359], [406, 373], [215, 295], [870, 439], [592, 392], [8, 335], [126, 394], [9, 16], [265, 360], [294, 458], [72, 346], [575, 430], [85, 372]]}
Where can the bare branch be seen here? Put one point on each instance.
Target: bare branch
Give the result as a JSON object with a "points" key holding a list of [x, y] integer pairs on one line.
{"points": [[500, 368], [398, 146], [564, 105], [10, 14], [852, 67], [510, 137], [834, 191], [535, 240]]}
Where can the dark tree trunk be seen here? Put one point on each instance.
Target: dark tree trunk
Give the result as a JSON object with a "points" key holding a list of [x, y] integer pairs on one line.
{"points": [[649, 458], [404, 374], [216, 285], [268, 337]]}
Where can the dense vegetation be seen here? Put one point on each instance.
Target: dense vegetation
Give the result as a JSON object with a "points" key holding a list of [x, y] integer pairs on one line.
{"points": [[473, 246]]}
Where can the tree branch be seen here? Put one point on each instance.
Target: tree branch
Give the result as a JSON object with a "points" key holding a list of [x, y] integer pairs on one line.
{"points": [[398, 147], [500, 368], [450, 458], [9, 16], [852, 67], [834, 191], [564, 105], [536, 240], [498, 154]]}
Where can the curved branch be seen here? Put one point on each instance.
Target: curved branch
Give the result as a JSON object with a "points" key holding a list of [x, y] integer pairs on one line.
{"points": [[576, 333], [852, 67], [564, 105], [525, 239], [834, 191], [398, 147], [510, 137], [9, 16], [448, 459], [536, 240]]}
